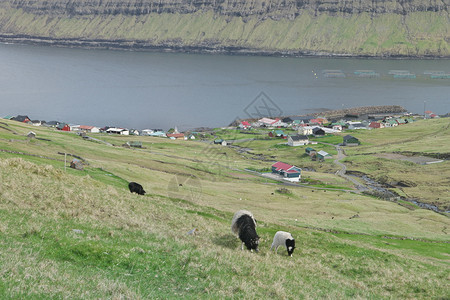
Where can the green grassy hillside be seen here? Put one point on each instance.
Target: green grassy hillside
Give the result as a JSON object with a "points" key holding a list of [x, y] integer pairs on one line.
{"points": [[385, 29], [66, 233]]}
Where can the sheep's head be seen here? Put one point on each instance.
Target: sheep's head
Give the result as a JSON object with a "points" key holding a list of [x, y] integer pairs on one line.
{"points": [[290, 246], [253, 244]]}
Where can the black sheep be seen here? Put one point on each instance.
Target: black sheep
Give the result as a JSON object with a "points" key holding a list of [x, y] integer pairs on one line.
{"points": [[243, 225], [136, 188]]}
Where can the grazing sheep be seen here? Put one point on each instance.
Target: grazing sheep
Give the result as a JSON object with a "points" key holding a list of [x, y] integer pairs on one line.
{"points": [[136, 188], [283, 238], [243, 226]]}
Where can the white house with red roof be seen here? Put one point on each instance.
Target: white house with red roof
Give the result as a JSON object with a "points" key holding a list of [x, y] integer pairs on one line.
{"points": [[271, 122], [289, 172], [87, 128], [245, 125]]}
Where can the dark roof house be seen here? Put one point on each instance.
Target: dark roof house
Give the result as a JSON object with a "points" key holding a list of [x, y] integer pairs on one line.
{"points": [[317, 131], [351, 141]]}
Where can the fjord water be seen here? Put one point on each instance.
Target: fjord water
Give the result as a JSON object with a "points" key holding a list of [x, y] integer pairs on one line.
{"points": [[163, 90]]}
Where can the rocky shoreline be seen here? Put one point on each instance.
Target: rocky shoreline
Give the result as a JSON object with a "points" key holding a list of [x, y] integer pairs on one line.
{"points": [[141, 45], [355, 112]]}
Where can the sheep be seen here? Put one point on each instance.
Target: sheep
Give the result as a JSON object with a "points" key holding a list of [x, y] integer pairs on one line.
{"points": [[283, 238], [136, 188], [243, 226]]}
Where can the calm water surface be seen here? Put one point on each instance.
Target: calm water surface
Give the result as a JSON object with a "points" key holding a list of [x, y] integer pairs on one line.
{"points": [[163, 90]]}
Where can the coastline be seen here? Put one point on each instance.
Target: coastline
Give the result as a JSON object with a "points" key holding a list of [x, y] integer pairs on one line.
{"points": [[145, 46]]}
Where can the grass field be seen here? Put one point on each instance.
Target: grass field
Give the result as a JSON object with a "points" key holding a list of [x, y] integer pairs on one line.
{"points": [[81, 234]]}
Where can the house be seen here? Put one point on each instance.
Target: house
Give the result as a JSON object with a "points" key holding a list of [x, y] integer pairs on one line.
{"points": [[267, 122], [23, 119], [134, 132], [277, 133], [244, 125], [390, 123], [289, 172], [147, 131], [337, 128], [121, 131], [351, 141], [158, 133], [355, 126], [376, 125], [401, 121], [176, 136], [191, 137], [322, 155], [322, 120], [279, 123], [37, 122], [309, 150], [218, 141], [297, 140], [52, 123], [91, 129], [305, 130], [63, 127], [316, 121], [317, 131], [31, 135]]}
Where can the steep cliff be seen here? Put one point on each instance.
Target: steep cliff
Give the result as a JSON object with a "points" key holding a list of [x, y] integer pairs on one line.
{"points": [[316, 27]]}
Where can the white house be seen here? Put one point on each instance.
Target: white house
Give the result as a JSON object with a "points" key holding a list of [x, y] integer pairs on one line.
{"points": [[121, 131], [297, 140], [305, 130], [147, 131], [91, 129]]}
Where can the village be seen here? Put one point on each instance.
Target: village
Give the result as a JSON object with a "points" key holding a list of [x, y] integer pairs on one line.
{"points": [[288, 131]]}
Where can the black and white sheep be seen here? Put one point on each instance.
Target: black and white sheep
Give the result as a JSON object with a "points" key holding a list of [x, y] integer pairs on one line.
{"points": [[243, 225], [283, 238], [136, 188]]}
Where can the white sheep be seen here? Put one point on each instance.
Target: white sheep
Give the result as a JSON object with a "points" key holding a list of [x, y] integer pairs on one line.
{"points": [[283, 238]]}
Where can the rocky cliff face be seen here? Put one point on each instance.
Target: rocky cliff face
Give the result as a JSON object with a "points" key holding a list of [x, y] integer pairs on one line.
{"points": [[290, 27], [262, 8]]}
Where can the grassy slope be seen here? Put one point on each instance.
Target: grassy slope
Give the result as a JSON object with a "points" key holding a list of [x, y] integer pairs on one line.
{"points": [[418, 33], [137, 247]]}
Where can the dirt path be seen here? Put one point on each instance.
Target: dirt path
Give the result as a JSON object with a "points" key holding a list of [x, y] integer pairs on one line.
{"points": [[343, 168]]}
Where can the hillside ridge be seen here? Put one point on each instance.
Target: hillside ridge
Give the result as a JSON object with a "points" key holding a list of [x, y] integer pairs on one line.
{"points": [[296, 28]]}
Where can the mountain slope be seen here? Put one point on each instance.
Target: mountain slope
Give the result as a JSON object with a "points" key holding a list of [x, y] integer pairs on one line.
{"points": [[366, 28]]}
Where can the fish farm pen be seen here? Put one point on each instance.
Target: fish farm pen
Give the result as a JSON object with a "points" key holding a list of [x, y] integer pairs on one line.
{"points": [[397, 74], [366, 73]]}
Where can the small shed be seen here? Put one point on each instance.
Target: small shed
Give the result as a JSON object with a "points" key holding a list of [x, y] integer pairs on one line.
{"points": [[309, 150], [322, 155], [31, 135]]}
